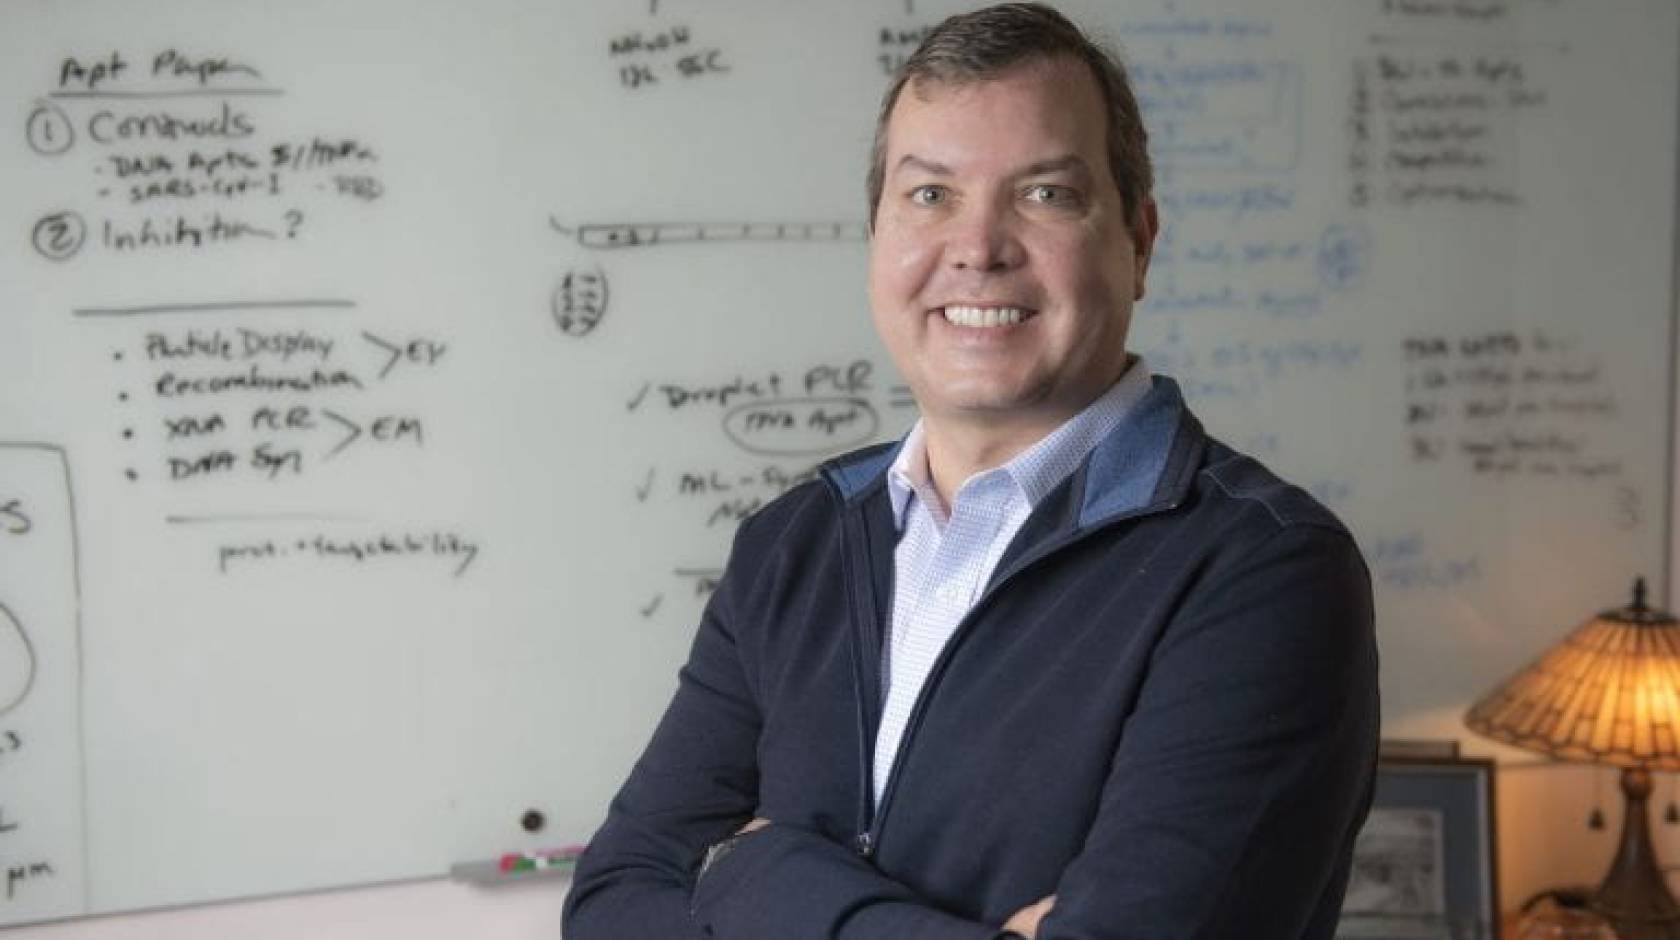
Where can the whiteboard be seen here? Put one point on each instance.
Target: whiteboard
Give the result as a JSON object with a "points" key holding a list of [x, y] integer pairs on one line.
{"points": [[380, 383]]}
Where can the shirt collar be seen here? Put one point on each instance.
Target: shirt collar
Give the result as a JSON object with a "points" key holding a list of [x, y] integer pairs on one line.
{"points": [[1038, 469]]}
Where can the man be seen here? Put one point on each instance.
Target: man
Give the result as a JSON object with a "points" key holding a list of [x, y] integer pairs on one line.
{"points": [[1057, 665]]}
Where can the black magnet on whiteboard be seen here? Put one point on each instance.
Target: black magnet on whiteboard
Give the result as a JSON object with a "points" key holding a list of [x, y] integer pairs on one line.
{"points": [[122, 396], [532, 821]]}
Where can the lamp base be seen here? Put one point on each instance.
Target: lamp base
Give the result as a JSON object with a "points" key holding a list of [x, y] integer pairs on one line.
{"points": [[1634, 897]]}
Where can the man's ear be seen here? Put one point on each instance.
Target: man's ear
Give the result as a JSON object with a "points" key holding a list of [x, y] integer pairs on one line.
{"points": [[1143, 244]]}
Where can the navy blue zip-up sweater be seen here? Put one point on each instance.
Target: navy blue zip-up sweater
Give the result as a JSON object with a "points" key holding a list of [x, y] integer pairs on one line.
{"points": [[1163, 710]]}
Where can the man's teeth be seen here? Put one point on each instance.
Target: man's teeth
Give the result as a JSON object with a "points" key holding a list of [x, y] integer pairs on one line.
{"points": [[985, 316]]}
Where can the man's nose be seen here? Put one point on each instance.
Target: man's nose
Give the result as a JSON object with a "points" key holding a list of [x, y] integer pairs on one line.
{"points": [[985, 239]]}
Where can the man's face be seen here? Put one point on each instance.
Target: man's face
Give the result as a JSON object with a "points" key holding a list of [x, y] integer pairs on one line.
{"points": [[1002, 270]]}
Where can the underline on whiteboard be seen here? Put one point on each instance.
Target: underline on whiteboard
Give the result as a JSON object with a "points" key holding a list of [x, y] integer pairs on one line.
{"points": [[179, 93], [697, 572], [227, 306], [647, 234], [1381, 39], [260, 517]]}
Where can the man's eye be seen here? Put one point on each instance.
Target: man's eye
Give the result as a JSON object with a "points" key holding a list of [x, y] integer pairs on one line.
{"points": [[1048, 195], [929, 195]]}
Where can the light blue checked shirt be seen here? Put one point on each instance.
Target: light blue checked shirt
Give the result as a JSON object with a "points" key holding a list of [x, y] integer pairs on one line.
{"points": [[945, 557]]}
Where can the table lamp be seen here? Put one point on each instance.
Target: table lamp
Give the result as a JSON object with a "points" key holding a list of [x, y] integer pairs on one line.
{"points": [[1608, 693]]}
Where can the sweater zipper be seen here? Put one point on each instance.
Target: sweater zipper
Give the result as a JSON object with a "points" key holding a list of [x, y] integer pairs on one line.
{"points": [[863, 622], [874, 816], [871, 834]]}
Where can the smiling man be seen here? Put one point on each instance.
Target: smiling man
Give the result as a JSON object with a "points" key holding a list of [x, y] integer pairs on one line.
{"points": [[1057, 665]]}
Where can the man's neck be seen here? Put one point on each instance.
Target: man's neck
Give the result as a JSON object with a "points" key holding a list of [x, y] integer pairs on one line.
{"points": [[960, 444], [957, 450]]}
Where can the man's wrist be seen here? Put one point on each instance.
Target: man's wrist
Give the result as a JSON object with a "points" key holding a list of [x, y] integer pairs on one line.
{"points": [[715, 853], [717, 850]]}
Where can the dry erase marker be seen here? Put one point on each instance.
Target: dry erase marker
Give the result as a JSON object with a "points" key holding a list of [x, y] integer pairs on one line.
{"points": [[538, 861]]}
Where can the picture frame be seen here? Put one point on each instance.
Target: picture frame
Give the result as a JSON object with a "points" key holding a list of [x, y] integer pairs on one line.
{"points": [[1425, 863]]}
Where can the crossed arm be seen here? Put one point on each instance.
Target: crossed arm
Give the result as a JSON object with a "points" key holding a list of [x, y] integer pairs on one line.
{"points": [[1024, 921], [1229, 811]]}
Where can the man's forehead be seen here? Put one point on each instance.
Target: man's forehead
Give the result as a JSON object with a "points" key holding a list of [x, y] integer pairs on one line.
{"points": [[1070, 72], [1070, 100]]}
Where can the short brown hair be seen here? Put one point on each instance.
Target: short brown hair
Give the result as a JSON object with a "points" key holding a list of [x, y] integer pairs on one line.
{"points": [[974, 47]]}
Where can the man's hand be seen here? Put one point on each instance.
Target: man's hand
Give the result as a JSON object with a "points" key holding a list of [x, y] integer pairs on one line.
{"points": [[1025, 921]]}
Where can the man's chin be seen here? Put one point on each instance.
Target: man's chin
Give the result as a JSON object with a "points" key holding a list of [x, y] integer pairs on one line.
{"points": [[999, 407]]}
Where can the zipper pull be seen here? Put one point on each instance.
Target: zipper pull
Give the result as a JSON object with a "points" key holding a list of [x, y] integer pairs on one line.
{"points": [[864, 844]]}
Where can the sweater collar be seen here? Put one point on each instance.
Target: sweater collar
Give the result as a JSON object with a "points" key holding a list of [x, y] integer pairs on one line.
{"points": [[1038, 469], [1131, 468]]}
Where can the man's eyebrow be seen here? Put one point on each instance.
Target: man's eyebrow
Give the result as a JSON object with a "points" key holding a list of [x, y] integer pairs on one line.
{"points": [[926, 166], [1070, 161]]}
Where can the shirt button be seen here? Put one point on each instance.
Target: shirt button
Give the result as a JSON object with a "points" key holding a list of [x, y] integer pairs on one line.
{"points": [[948, 593]]}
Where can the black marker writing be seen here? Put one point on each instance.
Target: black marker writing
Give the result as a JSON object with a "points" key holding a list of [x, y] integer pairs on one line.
{"points": [[13, 519]]}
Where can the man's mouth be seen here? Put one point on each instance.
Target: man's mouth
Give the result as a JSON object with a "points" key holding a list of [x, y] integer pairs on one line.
{"points": [[982, 317]]}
